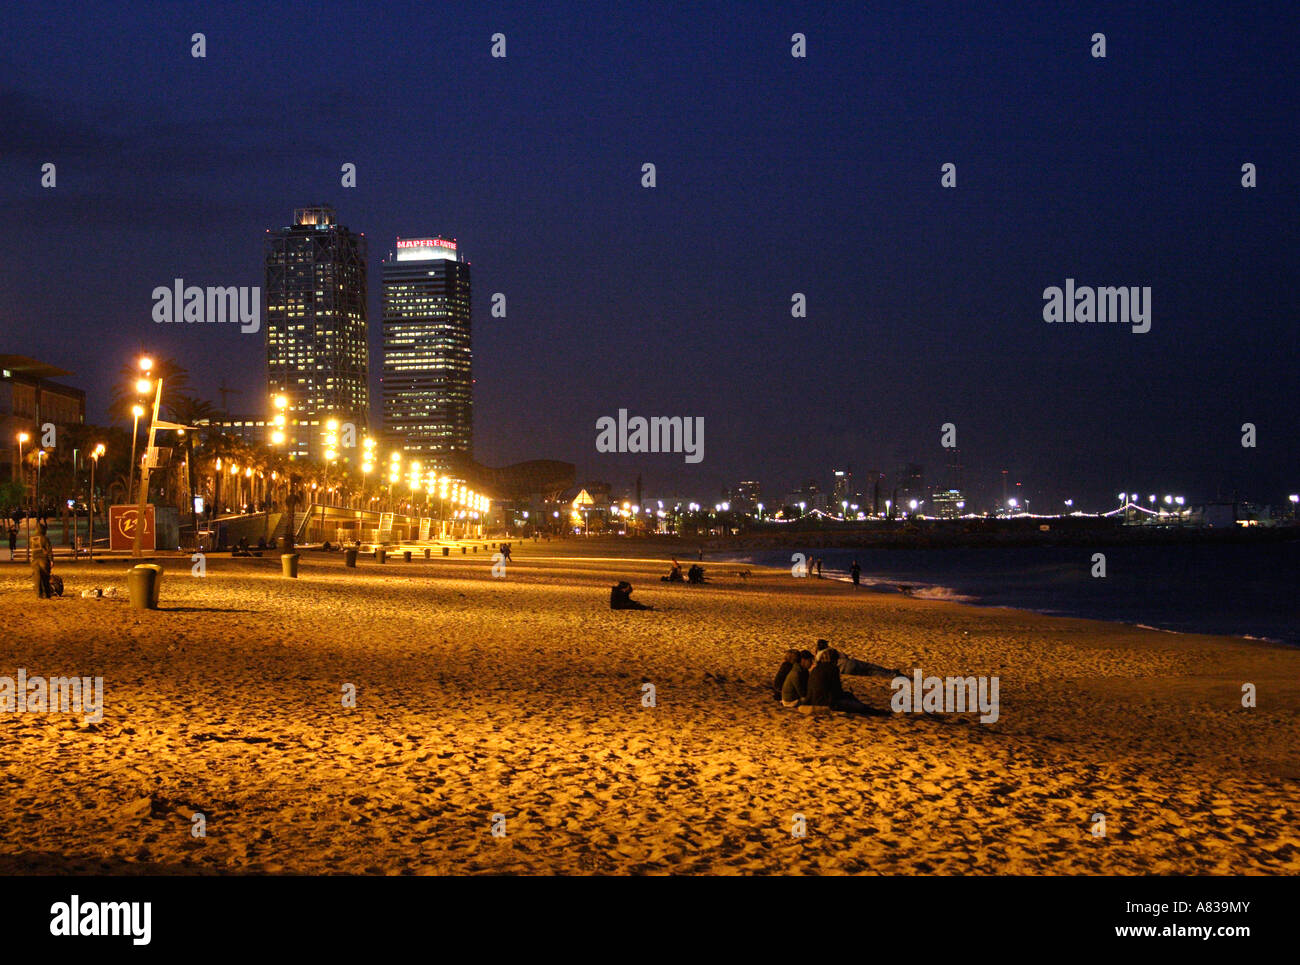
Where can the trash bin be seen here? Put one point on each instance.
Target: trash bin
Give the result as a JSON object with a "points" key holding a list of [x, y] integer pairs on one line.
{"points": [[406, 555], [463, 550], [350, 558], [446, 551], [380, 554], [427, 551], [476, 548], [289, 565], [142, 583]]}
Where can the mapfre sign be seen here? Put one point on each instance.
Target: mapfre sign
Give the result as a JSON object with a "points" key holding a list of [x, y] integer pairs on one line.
{"points": [[121, 527]]}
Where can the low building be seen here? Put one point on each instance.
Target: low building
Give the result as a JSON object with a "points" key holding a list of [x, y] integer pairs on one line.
{"points": [[29, 401]]}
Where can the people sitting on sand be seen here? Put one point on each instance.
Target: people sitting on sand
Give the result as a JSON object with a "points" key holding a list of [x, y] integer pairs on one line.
{"points": [[261, 542], [794, 689], [620, 598], [674, 574], [695, 574], [791, 659], [241, 548], [825, 689], [859, 668]]}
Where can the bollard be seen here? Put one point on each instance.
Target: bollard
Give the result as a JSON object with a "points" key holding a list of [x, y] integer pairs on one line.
{"points": [[142, 584], [289, 565], [427, 551], [350, 558], [475, 547], [446, 551], [380, 554], [463, 550], [406, 554]]}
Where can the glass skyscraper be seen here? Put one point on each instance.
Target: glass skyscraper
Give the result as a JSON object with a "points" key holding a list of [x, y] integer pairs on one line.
{"points": [[428, 384], [316, 351]]}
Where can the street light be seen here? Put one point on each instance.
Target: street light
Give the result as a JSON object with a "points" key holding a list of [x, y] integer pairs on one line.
{"points": [[136, 412], [22, 477], [143, 386], [94, 456]]}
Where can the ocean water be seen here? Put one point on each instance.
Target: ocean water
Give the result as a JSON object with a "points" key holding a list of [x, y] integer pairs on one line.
{"points": [[1241, 590]]}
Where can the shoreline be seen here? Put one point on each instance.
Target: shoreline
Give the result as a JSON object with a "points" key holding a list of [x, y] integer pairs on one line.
{"points": [[951, 591]]}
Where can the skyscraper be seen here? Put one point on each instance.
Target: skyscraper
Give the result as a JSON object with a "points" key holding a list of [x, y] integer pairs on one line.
{"points": [[428, 376], [316, 350]]}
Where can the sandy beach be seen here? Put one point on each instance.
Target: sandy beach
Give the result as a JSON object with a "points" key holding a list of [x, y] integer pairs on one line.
{"points": [[478, 696]]}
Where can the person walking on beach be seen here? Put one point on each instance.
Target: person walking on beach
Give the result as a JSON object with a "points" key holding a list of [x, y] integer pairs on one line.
{"points": [[856, 572], [13, 540], [42, 563], [505, 552], [819, 567]]}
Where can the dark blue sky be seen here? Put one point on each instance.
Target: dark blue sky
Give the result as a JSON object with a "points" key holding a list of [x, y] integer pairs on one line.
{"points": [[775, 175]]}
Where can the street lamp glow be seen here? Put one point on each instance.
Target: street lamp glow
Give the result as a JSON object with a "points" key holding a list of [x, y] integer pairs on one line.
{"points": [[143, 385], [146, 363], [277, 437], [137, 411], [23, 437]]}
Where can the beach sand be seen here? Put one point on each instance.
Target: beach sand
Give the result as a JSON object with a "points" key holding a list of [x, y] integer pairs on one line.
{"points": [[522, 697]]}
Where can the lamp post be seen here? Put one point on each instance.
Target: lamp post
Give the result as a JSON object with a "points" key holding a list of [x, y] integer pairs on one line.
{"points": [[94, 461], [22, 478], [136, 412], [142, 386]]}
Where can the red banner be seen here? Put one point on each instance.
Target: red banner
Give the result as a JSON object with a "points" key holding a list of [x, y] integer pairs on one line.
{"points": [[121, 527]]}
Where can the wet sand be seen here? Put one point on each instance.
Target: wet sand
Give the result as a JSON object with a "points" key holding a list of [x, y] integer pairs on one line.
{"points": [[522, 697]]}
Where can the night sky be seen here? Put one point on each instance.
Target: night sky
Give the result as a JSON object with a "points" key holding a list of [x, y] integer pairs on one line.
{"points": [[775, 175]]}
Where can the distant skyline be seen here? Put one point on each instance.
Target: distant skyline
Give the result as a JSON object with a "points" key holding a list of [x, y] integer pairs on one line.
{"points": [[775, 176]]}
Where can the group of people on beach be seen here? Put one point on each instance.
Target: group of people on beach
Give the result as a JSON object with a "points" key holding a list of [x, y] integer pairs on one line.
{"points": [[812, 679], [695, 575]]}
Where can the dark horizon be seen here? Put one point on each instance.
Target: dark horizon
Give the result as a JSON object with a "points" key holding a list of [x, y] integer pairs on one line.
{"points": [[776, 175]]}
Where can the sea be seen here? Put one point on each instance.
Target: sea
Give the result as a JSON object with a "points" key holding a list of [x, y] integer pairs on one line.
{"points": [[1236, 589]]}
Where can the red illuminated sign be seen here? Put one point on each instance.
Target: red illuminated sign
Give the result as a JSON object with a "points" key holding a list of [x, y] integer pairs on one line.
{"points": [[426, 243], [121, 527]]}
